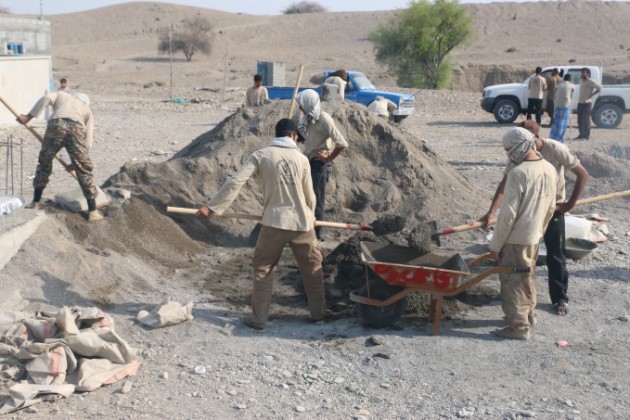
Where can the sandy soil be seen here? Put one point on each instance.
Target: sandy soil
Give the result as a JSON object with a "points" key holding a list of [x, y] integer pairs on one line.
{"points": [[138, 256]]}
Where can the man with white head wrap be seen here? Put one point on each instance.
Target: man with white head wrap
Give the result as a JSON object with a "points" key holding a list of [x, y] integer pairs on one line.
{"points": [[322, 145], [70, 126], [528, 204], [560, 157]]}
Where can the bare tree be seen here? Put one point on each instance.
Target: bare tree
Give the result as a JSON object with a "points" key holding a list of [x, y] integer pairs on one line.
{"points": [[304, 7], [194, 35]]}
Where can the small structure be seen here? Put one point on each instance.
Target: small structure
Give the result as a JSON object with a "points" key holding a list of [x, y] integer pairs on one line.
{"points": [[273, 74], [25, 64]]}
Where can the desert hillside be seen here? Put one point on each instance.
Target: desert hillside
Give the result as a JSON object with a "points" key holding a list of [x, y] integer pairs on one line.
{"points": [[115, 47]]}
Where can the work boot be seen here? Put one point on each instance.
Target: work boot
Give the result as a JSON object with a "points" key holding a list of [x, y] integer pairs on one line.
{"points": [[509, 332], [34, 205], [94, 215]]}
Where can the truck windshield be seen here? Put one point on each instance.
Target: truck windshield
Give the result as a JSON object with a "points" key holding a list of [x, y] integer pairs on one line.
{"points": [[362, 82]]}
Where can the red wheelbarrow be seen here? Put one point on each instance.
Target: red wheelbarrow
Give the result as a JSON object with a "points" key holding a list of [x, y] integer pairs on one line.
{"points": [[403, 270]]}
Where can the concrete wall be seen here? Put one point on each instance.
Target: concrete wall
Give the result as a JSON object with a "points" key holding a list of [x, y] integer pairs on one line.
{"points": [[23, 80], [32, 33]]}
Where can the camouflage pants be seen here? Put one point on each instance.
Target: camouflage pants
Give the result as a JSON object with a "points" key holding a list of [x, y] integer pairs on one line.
{"points": [[63, 132]]}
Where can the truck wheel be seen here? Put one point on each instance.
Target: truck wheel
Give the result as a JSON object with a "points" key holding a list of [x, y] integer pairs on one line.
{"points": [[381, 317], [506, 111], [607, 116]]}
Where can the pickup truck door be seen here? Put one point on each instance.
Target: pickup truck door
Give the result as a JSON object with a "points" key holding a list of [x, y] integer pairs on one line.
{"points": [[352, 93]]}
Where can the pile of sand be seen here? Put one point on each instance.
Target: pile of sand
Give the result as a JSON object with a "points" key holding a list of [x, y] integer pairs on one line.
{"points": [[384, 171]]}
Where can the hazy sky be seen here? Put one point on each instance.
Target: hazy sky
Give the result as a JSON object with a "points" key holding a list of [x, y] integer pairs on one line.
{"points": [[255, 7]]}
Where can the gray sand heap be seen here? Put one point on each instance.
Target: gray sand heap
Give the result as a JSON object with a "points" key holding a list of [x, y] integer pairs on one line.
{"points": [[385, 171]]}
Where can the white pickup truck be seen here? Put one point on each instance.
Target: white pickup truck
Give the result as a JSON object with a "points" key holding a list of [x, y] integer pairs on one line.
{"points": [[507, 101]]}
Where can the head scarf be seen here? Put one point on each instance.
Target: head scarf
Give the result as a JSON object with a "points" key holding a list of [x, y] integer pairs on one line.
{"points": [[309, 101], [518, 142]]}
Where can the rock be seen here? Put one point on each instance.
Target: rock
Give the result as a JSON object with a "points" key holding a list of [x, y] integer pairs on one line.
{"points": [[287, 374], [240, 406], [338, 380], [164, 375], [466, 412], [381, 355], [232, 392], [200, 369], [377, 340], [300, 409], [364, 412], [126, 388], [386, 386], [623, 318], [569, 403]]}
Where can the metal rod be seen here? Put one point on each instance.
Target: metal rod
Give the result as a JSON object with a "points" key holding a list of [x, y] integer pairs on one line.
{"points": [[21, 167], [6, 170], [12, 171]]}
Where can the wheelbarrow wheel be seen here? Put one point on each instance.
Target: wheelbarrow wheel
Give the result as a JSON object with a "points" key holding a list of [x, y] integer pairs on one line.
{"points": [[381, 316]]}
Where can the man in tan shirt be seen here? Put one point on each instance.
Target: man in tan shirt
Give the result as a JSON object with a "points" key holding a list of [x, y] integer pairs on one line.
{"points": [[527, 207], [554, 80], [283, 173], [256, 95], [324, 142], [588, 89], [536, 84], [70, 126], [560, 157]]}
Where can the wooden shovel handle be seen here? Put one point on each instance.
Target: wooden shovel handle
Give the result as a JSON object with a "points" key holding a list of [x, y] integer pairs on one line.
{"points": [[186, 210], [474, 225], [603, 197], [295, 91]]}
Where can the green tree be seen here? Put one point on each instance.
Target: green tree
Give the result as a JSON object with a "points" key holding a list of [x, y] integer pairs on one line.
{"points": [[416, 43], [195, 35], [304, 7]]}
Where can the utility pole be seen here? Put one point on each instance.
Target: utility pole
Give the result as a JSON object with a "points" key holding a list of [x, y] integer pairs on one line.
{"points": [[41, 10], [170, 51]]}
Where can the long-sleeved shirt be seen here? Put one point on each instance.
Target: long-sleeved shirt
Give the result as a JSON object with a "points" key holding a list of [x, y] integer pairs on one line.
{"points": [[560, 157], [536, 85], [256, 97], [528, 204], [66, 105], [336, 80], [586, 89], [382, 107], [551, 87], [284, 176], [564, 94], [323, 135]]}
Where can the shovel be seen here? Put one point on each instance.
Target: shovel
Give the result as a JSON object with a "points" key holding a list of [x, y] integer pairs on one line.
{"points": [[435, 237], [192, 211]]}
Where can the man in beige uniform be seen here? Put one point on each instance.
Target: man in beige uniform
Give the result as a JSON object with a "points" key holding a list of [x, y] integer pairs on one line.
{"points": [[536, 84], [256, 95], [560, 157], [382, 107], [322, 145], [588, 89], [553, 81], [339, 79], [284, 176], [71, 127], [528, 205]]}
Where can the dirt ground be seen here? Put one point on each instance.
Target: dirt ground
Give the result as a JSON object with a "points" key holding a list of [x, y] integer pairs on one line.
{"points": [[138, 256]]}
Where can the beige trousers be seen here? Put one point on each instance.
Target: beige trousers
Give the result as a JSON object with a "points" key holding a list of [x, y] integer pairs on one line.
{"points": [[518, 290], [308, 254]]}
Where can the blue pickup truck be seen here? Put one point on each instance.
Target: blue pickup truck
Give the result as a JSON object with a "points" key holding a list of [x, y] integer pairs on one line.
{"points": [[359, 89]]}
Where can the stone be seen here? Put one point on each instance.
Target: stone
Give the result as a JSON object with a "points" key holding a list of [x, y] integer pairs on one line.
{"points": [[338, 380], [232, 392], [126, 388], [381, 355], [240, 406], [300, 409], [364, 412], [386, 386], [164, 375], [377, 340]]}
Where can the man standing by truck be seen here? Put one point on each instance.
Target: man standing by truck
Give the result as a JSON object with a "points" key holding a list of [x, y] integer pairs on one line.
{"points": [[562, 111], [554, 80], [536, 85], [322, 145], [588, 89]]}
